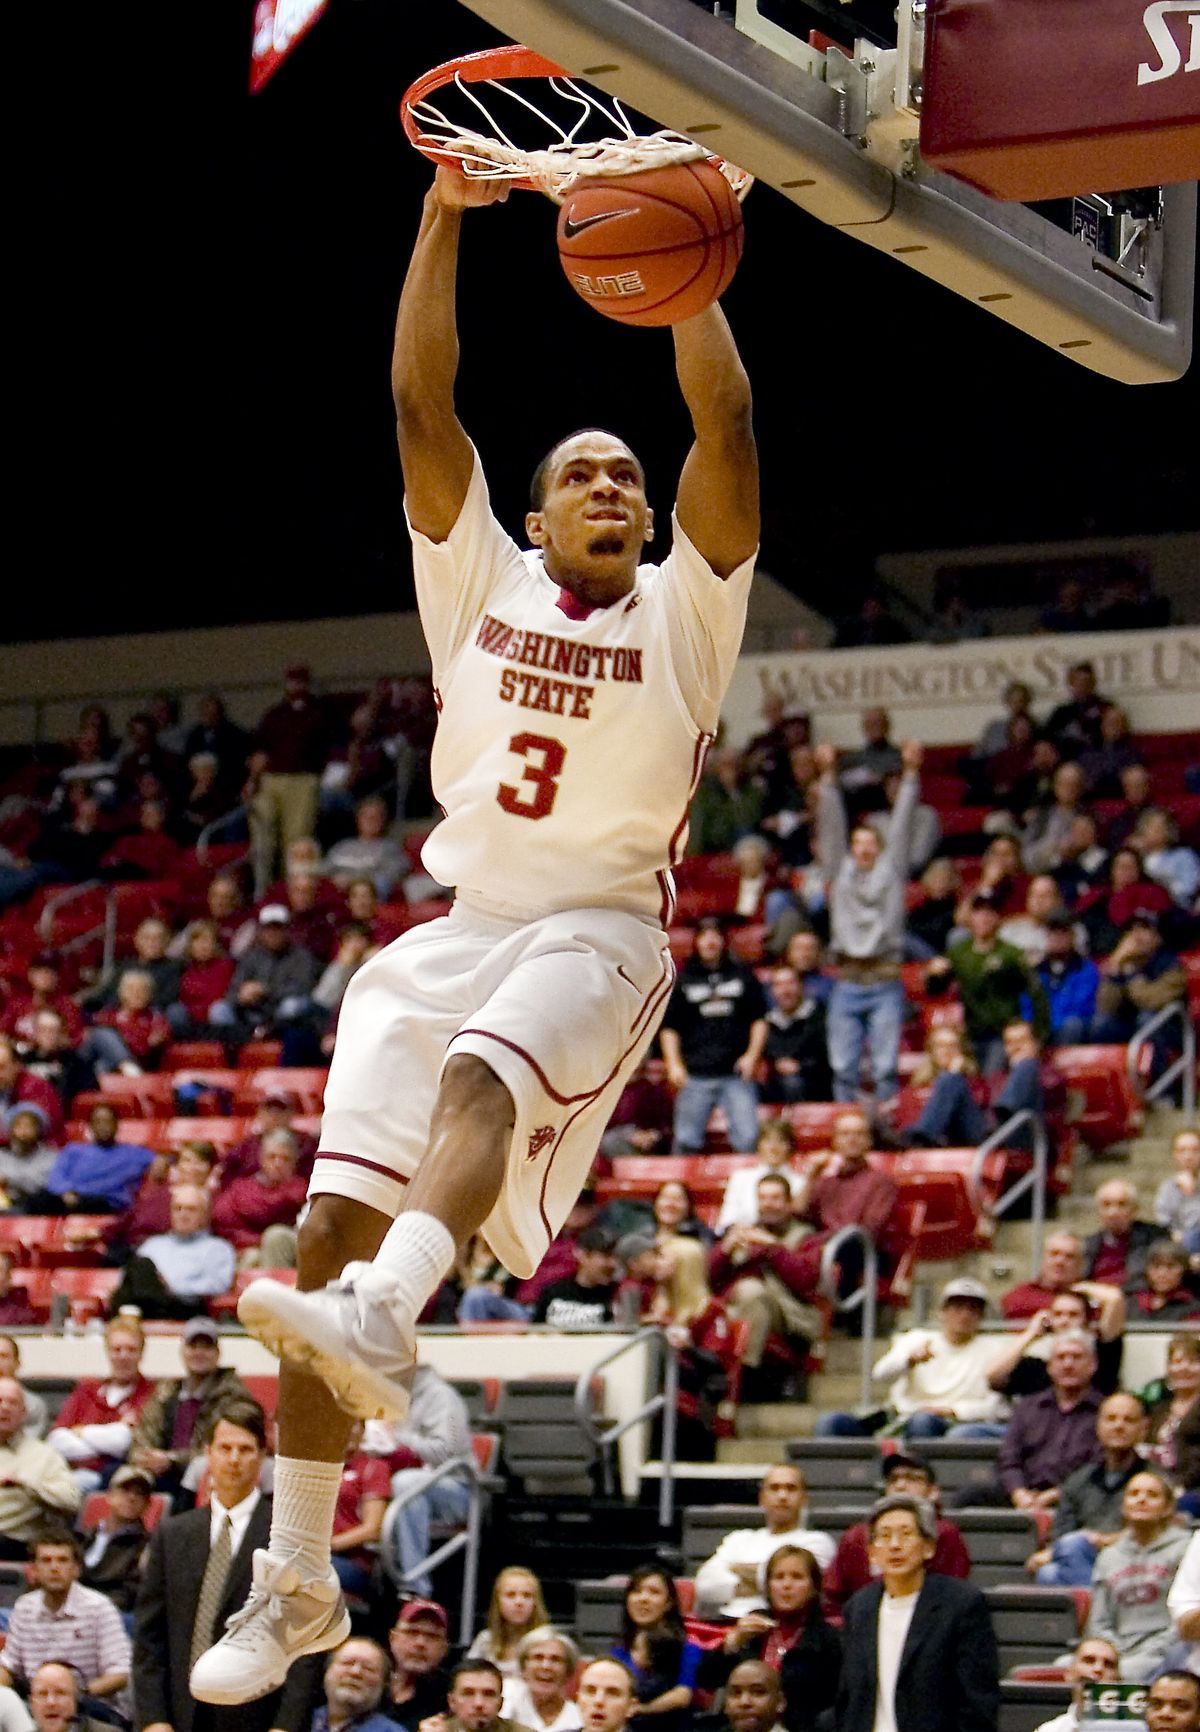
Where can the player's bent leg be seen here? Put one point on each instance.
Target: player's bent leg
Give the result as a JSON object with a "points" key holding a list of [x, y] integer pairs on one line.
{"points": [[295, 1605]]}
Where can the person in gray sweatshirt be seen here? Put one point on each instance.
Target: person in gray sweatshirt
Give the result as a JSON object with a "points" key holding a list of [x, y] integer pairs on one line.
{"points": [[1133, 1577], [866, 879]]}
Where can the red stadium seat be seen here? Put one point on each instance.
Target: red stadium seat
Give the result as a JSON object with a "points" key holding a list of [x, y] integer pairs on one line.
{"points": [[194, 1055], [746, 943], [24, 1236], [224, 1134], [96, 1508], [89, 1290], [812, 1122], [264, 1389], [260, 1054], [307, 1086], [1111, 1111], [225, 1304], [144, 1097]]}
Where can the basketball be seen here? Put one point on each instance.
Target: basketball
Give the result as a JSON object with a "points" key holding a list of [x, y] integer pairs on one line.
{"points": [[653, 248]]}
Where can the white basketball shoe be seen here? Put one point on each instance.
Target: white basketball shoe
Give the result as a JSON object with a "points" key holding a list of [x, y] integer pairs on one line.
{"points": [[354, 1334], [289, 1613]]}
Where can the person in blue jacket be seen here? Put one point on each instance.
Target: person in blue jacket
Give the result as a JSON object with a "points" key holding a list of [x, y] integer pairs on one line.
{"points": [[1070, 982]]}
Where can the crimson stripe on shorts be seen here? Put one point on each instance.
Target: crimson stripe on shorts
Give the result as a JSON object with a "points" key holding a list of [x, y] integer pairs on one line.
{"points": [[360, 1161], [665, 881]]}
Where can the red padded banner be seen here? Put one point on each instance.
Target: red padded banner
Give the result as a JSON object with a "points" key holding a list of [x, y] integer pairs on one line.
{"points": [[1033, 99]]}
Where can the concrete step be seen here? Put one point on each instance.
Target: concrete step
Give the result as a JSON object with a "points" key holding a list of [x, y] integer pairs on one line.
{"points": [[774, 1419], [841, 1354], [766, 1450], [1165, 1121]]}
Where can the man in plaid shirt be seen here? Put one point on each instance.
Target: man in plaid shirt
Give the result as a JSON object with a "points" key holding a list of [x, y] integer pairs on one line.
{"points": [[60, 1620]]}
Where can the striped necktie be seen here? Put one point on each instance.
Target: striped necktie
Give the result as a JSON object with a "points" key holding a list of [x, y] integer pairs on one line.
{"points": [[212, 1589]]}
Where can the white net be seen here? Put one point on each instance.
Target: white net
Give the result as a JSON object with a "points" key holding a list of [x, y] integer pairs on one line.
{"points": [[571, 154]]}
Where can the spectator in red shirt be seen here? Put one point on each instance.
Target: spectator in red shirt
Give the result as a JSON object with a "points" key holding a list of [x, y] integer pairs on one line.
{"points": [[15, 1309], [643, 1118], [903, 1476], [147, 852], [270, 1198], [358, 1518], [1116, 1254], [276, 1113], [205, 979], [838, 1189], [227, 911], [763, 1275], [314, 917], [288, 753], [142, 1030], [1062, 1268], [43, 980], [1160, 1296], [19, 1084], [150, 1211], [93, 1430]]}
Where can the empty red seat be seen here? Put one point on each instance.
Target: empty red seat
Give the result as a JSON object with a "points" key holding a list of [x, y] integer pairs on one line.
{"points": [[224, 1134], [1110, 1110], [260, 1054], [812, 1122], [89, 1290], [307, 1086], [193, 1055], [225, 1304], [143, 1097]]}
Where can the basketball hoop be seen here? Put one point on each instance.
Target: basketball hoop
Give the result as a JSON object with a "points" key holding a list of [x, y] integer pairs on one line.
{"points": [[483, 146]]}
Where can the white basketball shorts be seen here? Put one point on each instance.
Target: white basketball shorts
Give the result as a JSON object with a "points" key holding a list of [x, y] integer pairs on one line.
{"points": [[562, 1010]]}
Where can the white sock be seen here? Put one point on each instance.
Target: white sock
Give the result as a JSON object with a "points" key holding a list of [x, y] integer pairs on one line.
{"points": [[303, 1507], [416, 1255]]}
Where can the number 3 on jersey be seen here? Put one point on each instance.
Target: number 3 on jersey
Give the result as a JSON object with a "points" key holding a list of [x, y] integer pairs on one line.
{"points": [[534, 795]]}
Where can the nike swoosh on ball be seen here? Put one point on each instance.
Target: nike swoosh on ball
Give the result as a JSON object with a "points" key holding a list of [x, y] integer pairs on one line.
{"points": [[571, 227]]}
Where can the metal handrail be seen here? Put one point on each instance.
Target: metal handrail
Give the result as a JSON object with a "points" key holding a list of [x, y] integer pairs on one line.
{"points": [[214, 829], [464, 1469], [1034, 1179], [1184, 1066], [45, 925], [865, 1296], [665, 1402]]}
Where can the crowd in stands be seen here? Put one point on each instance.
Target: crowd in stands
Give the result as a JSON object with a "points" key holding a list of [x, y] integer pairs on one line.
{"points": [[913, 945]]}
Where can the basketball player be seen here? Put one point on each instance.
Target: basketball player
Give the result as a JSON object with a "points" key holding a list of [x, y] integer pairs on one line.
{"points": [[479, 1057]]}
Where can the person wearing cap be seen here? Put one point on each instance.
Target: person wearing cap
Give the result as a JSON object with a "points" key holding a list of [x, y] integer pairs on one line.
{"points": [[1139, 979], [93, 1428], [19, 1086], [114, 1547], [272, 984], [938, 1377], [419, 1642], [920, 1651], [548, 1660], [1070, 981], [993, 980], [712, 1039], [903, 1476], [638, 1261], [178, 1414], [277, 1112], [866, 878], [28, 1160], [288, 752]]}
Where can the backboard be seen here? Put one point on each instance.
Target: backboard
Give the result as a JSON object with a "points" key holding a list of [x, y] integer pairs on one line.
{"points": [[1107, 280]]}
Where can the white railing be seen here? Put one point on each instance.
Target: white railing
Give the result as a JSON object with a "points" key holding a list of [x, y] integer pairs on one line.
{"points": [[864, 1297], [464, 1470], [1183, 1068], [1034, 1180], [665, 1401]]}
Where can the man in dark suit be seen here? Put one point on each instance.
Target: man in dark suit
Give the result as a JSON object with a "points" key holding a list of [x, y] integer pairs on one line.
{"points": [[198, 1571], [920, 1652]]}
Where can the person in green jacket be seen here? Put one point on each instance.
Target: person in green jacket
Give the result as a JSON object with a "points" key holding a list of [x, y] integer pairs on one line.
{"points": [[994, 981]]}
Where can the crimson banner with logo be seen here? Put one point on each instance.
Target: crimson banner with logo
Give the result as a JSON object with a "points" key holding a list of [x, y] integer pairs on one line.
{"points": [[278, 26], [1038, 99]]}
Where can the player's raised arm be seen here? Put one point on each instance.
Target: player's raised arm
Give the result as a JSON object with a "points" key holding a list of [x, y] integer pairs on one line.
{"points": [[717, 502], [435, 453]]}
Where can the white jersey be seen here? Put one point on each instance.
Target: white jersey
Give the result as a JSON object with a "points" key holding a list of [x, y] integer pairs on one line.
{"points": [[570, 740]]}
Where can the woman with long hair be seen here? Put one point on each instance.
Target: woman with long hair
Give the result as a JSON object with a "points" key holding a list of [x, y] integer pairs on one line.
{"points": [[698, 1328], [790, 1635], [516, 1608], [675, 1214], [655, 1648], [1174, 1420], [943, 1107]]}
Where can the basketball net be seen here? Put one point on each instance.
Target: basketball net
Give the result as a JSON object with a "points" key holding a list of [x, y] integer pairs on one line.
{"points": [[556, 167]]}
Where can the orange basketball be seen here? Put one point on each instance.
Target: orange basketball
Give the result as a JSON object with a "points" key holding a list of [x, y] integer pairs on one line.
{"points": [[652, 248]]}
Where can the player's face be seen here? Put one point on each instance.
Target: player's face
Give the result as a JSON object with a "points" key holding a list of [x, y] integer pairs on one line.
{"points": [[594, 520]]}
